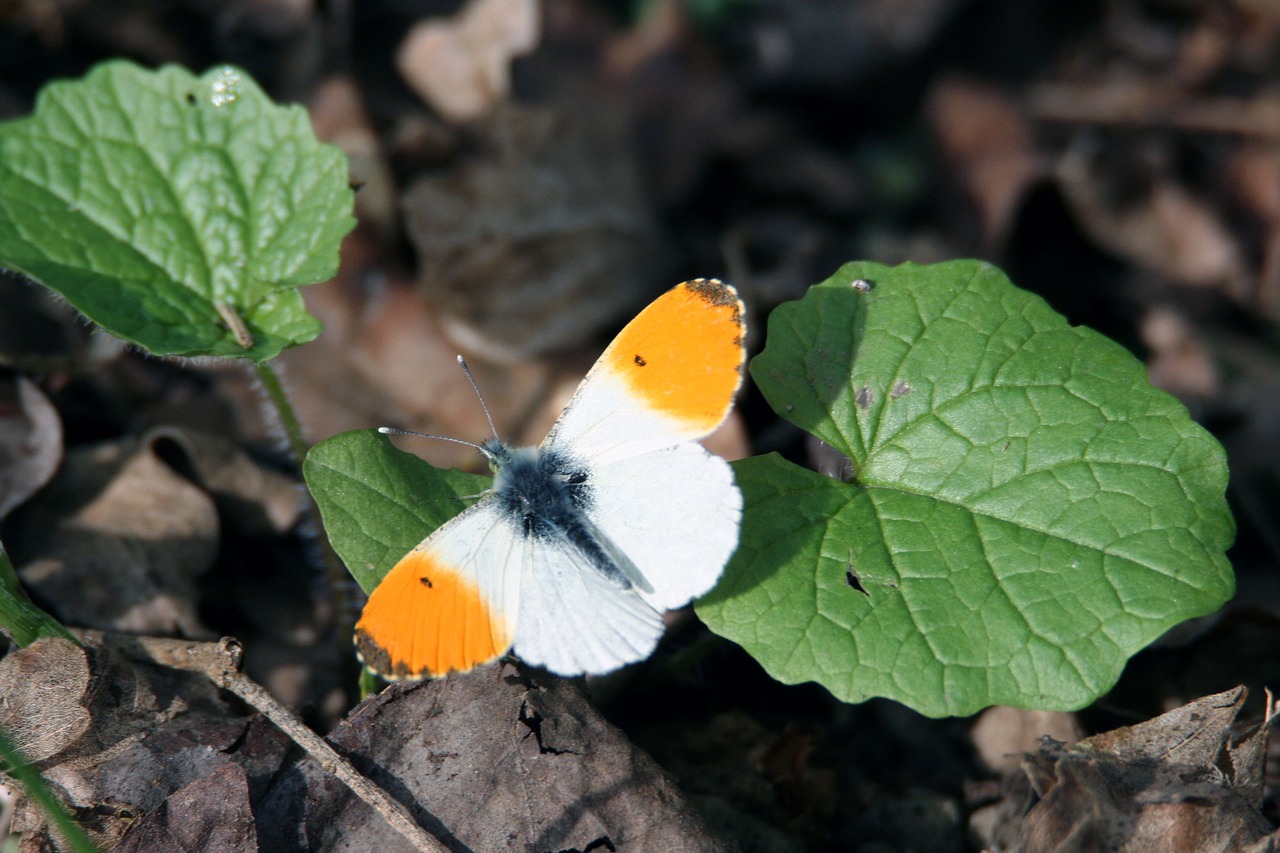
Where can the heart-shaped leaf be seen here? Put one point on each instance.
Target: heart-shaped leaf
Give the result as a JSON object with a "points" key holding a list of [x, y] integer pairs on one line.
{"points": [[1024, 510]]}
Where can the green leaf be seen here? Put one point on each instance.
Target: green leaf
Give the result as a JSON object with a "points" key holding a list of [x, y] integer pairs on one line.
{"points": [[177, 212], [1024, 511], [20, 620], [378, 502]]}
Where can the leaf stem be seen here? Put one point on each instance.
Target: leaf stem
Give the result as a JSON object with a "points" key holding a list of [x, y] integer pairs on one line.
{"points": [[298, 446], [279, 398], [235, 323]]}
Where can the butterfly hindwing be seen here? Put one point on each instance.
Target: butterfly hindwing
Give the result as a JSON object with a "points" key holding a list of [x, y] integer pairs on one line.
{"points": [[574, 620], [449, 604], [687, 494]]}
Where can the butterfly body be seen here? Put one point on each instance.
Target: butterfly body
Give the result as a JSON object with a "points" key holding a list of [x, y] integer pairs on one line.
{"points": [[584, 540], [546, 497]]}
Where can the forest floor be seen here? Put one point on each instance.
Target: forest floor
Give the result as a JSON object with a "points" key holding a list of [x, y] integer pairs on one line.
{"points": [[1121, 159]]}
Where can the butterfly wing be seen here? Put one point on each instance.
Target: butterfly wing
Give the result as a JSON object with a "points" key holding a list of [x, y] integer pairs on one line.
{"points": [[668, 377], [449, 604], [574, 620], [662, 506], [674, 513], [478, 583]]}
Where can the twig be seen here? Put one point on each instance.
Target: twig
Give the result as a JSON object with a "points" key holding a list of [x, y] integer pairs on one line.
{"points": [[220, 663], [1144, 105]]}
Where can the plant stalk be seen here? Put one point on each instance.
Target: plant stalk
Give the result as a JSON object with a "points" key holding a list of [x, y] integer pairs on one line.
{"points": [[298, 446]]}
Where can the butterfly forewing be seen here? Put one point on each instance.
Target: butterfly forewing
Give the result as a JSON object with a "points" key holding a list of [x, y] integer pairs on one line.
{"points": [[449, 604], [668, 377]]}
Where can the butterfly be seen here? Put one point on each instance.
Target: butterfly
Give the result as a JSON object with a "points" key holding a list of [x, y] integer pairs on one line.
{"points": [[583, 541]]}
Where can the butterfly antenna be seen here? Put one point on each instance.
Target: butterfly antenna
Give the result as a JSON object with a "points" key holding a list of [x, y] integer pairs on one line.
{"points": [[397, 431], [462, 362]]}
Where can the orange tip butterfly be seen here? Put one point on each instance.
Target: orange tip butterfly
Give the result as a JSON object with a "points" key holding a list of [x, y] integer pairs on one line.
{"points": [[585, 540]]}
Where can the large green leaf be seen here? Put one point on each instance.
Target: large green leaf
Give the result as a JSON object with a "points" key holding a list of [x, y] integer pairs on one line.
{"points": [[378, 502], [177, 212], [1024, 510]]}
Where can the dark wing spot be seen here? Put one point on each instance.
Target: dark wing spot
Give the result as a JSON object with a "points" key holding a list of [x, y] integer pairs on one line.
{"points": [[639, 359], [711, 291], [376, 658], [852, 580], [425, 581], [191, 98]]}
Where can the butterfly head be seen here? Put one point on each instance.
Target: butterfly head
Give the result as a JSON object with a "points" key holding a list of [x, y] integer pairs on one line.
{"points": [[498, 453]]}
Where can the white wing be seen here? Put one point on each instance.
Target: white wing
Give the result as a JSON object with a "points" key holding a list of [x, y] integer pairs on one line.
{"points": [[573, 620], [674, 513], [449, 604]]}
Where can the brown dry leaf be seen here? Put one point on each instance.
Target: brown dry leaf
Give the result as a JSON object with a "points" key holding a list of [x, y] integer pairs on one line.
{"points": [[461, 66], [1178, 782], [382, 360], [402, 351], [1270, 8], [339, 116], [117, 541], [1254, 172], [496, 759], [1163, 227], [30, 440], [986, 137], [541, 244], [1002, 734], [1181, 361], [116, 739], [251, 498], [1158, 103], [211, 814]]}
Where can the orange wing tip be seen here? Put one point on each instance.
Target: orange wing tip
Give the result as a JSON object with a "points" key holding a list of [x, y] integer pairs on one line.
{"points": [[683, 355], [715, 293], [425, 620], [379, 661], [722, 297]]}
